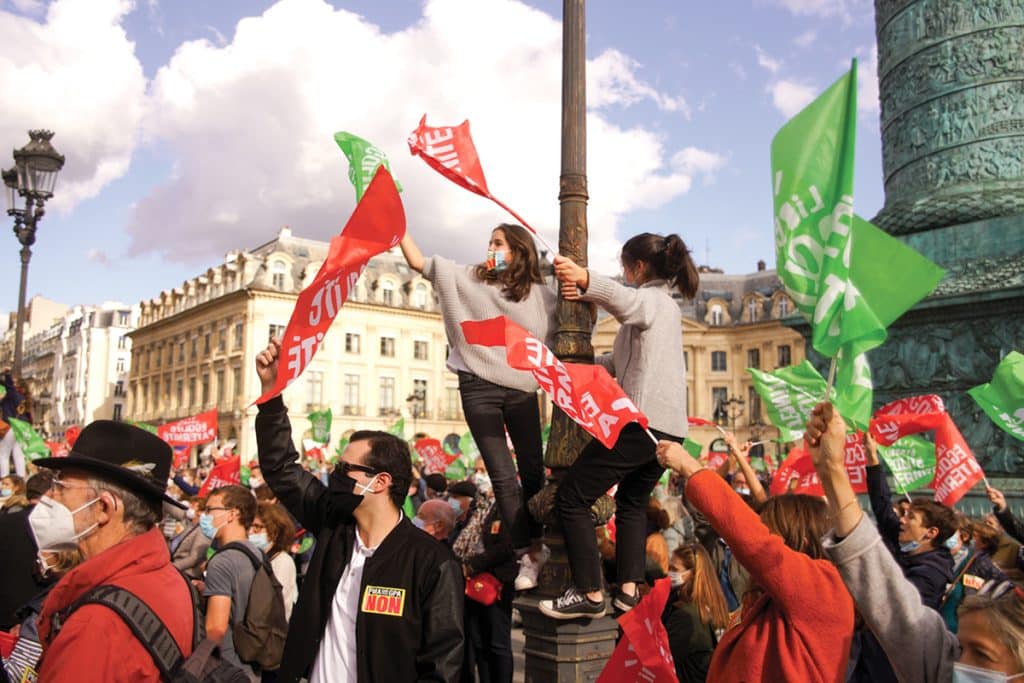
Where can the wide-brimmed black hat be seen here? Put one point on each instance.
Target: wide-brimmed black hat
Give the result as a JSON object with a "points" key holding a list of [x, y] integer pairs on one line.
{"points": [[126, 455]]}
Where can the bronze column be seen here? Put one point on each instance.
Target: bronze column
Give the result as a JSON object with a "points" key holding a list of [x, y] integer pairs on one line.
{"points": [[573, 650]]}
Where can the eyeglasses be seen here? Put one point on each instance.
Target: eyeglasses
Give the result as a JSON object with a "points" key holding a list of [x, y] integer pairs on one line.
{"points": [[347, 467], [211, 509], [60, 485]]}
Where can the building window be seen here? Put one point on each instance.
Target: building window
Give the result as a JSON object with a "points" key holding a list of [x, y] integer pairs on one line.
{"points": [[280, 268], [386, 396], [351, 395], [195, 347], [220, 387], [192, 391], [686, 360], [387, 347], [222, 340], [206, 344], [387, 293], [452, 403], [716, 315], [179, 393], [124, 318], [419, 350], [275, 332], [419, 398], [784, 356], [314, 389], [117, 412], [236, 384], [120, 365], [119, 388], [420, 296], [156, 393], [719, 398], [181, 352], [206, 391], [783, 307], [351, 342], [718, 361], [167, 389], [754, 359], [754, 404], [238, 336], [170, 355], [752, 306], [122, 342]]}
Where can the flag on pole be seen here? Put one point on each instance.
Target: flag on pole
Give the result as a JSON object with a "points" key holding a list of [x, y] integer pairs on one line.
{"points": [[433, 456], [32, 445], [191, 431], [911, 460], [789, 395], [364, 158], [586, 393], [1002, 399], [398, 428], [468, 447], [376, 225], [692, 447], [224, 473], [796, 474], [643, 652], [320, 422]]}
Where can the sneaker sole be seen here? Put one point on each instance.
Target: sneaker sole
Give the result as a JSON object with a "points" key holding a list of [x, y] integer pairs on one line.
{"points": [[524, 586], [621, 606], [555, 614]]}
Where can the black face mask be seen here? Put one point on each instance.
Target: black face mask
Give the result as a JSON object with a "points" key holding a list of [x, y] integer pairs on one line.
{"points": [[343, 499]]}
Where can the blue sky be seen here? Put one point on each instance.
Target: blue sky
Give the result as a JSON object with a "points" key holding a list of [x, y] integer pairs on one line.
{"points": [[188, 134]]}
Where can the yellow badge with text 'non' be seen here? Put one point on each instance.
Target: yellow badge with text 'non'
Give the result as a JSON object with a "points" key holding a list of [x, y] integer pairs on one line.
{"points": [[974, 582], [384, 600]]}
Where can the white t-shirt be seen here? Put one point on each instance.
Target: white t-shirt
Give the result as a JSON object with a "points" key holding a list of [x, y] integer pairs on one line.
{"points": [[283, 565], [336, 660]]}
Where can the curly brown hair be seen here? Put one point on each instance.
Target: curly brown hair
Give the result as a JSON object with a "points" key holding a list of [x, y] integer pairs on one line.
{"points": [[279, 526], [523, 269]]}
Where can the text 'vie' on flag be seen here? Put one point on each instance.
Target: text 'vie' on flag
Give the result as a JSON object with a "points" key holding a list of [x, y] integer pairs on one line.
{"points": [[586, 393], [376, 225]]}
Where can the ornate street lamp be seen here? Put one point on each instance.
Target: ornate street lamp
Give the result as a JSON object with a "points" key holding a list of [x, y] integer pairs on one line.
{"points": [[33, 177]]}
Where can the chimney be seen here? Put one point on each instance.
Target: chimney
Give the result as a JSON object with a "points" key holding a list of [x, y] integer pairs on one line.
{"points": [[761, 266]]}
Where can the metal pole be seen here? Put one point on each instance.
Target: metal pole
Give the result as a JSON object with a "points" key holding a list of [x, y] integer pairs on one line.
{"points": [[26, 256]]}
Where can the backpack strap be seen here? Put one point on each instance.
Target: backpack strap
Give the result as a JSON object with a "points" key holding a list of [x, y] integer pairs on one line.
{"points": [[140, 619], [257, 562]]}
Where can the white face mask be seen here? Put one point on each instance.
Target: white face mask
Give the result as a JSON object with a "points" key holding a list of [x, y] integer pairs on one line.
{"points": [[965, 673], [365, 488], [53, 525]]}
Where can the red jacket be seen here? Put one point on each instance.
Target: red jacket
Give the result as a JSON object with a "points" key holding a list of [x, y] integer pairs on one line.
{"points": [[801, 627], [95, 644]]}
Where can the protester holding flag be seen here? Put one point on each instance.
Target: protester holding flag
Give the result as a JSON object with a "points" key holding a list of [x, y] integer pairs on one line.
{"points": [[1011, 525], [739, 454], [988, 646], [647, 361], [496, 397]]}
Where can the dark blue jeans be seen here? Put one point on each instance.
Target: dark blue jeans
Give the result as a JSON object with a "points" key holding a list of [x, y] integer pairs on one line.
{"points": [[489, 640], [489, 409], [633, 464]]}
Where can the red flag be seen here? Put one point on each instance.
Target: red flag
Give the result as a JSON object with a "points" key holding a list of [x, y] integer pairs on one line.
{"points": [[956, 469], [450, 151], [799, 466], [587, 393], [376, 225], [433, 455], [180, 456], [716, 459], [71, 435], [197, 429], [58, 449], [224, 473], [643, 652], [700, 422]]}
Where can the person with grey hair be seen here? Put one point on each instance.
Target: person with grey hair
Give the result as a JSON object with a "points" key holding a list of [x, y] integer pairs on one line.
{"points": [[105, 500], [437, 518]]}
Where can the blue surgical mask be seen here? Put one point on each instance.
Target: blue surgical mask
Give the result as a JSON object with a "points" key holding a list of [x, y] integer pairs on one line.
{"points": [[909, 546], [6, 493], [418, 523], [965, 673], [206, 525], [496, 260], [454, 502], [260, 540], [951, 542]]}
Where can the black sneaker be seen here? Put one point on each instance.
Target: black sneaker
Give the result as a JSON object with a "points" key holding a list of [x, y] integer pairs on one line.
{"points": [[625, 602], [571, 605]]}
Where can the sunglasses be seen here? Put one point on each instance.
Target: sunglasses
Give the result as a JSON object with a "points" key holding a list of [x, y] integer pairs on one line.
{"points": [[345, 467]]}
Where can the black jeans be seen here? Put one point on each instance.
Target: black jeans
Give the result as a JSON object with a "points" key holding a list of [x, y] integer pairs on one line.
{"points": [[489, 640], [633, 464], [489, 408]]}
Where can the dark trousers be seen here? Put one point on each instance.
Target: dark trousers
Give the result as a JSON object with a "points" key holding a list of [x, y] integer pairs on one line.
{"points": [[632, 463], [488, 640], [489, 409]]}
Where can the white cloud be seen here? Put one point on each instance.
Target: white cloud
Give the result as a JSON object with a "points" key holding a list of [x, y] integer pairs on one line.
{"points": [[789, 97], [97, 256], [847, 10], [867, 80], [76, 73], [251, 125], [805, 39], [694, 161], [766, 61]]}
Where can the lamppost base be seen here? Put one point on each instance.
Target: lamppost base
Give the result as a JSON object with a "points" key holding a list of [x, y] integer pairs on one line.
{"points": [[571, 650]]}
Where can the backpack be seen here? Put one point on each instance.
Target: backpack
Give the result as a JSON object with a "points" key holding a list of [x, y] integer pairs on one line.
{"points": [[259, 637], [203, 665]]}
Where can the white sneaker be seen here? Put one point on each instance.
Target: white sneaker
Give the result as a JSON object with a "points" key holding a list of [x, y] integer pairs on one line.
{"points": [[529, 569]]}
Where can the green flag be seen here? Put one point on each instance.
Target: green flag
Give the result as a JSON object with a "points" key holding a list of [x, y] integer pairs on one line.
{"points": [[789, 396], [142, 425], [467, 446], [911, 461], [1002, 399], [339, 449], [244, 473], [31, 443], [692, 447], [456, 471], [545, 436], [321, 424], [398, 429], [363, 160]]}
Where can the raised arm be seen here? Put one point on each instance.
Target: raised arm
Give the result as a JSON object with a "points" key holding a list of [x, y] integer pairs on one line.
{"points": [[739, 453], [628, 305], [880, 496], [411, 252], [1011, 525]]}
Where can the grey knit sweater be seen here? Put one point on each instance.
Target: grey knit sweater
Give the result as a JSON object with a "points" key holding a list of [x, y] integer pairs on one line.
{"points": [[647, 357], [463, 297]]}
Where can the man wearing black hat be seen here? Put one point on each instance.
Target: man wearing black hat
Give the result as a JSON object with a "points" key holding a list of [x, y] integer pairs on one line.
{"points": [[106, 501]]}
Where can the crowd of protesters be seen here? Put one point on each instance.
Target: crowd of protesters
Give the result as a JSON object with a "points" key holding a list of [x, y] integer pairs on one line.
{"points": [[117, 568]]}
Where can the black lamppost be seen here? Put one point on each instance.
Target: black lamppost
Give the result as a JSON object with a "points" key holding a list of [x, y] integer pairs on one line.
{"points": [[34, 174], [416, 400]]}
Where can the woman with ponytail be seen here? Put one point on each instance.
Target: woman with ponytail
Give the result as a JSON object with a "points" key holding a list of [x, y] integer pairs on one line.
{"points": [[647, 361], [695, 612], [496, 398]]}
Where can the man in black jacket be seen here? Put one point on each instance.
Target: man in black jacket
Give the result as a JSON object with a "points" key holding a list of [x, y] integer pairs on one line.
{"points": [[381, 600]]}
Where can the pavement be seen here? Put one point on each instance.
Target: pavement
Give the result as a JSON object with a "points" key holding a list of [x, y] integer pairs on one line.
{"points": [[518, 659]]}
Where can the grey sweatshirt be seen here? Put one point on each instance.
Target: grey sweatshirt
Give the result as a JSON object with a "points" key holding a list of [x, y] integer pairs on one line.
{"points": [[463, 297], [914, 637], [647, 357]]}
